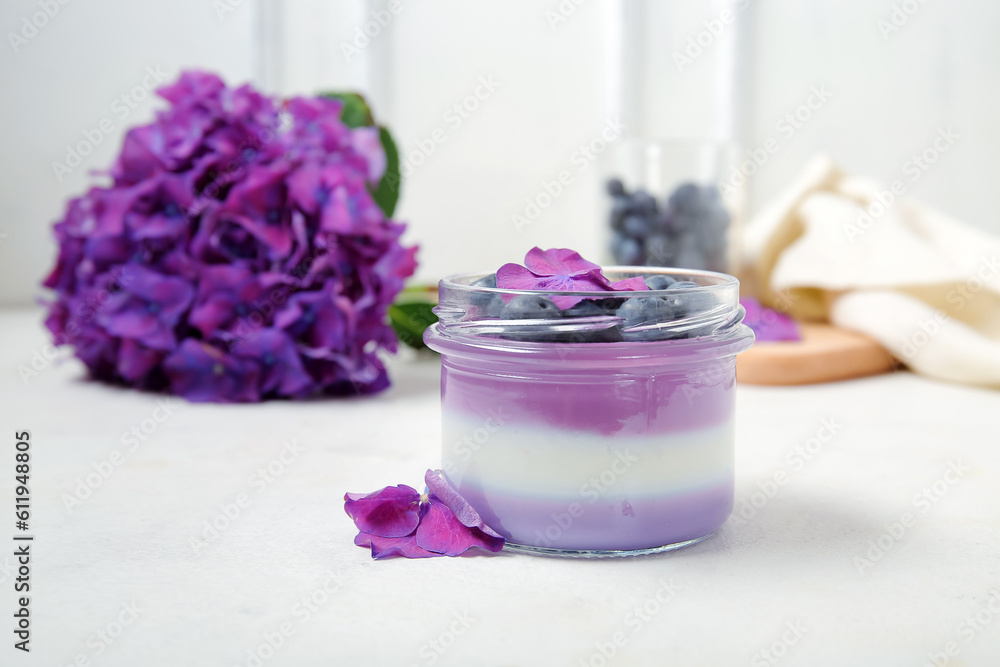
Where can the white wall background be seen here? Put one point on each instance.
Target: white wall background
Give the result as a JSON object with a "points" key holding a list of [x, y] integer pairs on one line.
{"points": [[558, 85]]}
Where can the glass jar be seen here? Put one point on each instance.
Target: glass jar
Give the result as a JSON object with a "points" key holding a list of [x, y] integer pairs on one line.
{"points": [[668, 203], [592, 432]]}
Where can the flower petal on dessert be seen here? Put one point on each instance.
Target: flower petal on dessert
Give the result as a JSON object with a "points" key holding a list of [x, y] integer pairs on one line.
{"points": [[586, 282], [634, 284], [393, 511], [515, 276], [441, 531], [560, 270], [463, 511], [557, 261]]}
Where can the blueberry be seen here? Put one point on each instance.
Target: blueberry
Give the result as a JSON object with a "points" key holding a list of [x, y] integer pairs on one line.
{"points": [[689, 258], [636, 226], [644, 311], [621, 205], [610, 305], [710, 195], [619, 209], [716, 216], [685, 197], [586, 308], [589, 308], [616, 241], [689, 304], [683, 222], [698, 213], [487, 281], [659, 281], [615, 188], [687, 254], [489, 304], [643, 202], [629, 253], [663, 222], [636, 311], [639, 310], [711, 240], [659, 250], [530, 307]]}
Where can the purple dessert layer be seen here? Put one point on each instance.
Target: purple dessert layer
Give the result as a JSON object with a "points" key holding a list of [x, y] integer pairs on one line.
{"points": [[607, 401], [604, 525], [606, 388]]}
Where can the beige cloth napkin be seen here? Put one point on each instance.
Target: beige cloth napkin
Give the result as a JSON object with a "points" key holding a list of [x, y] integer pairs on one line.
{"points": [[926, 286]]}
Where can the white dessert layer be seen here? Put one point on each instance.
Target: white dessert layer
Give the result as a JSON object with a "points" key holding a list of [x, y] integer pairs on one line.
{"points": [[542, 462]]}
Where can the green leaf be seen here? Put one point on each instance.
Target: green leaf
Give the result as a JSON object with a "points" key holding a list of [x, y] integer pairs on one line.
{"points": [[356, 112], [409, 321], [386, 195]]}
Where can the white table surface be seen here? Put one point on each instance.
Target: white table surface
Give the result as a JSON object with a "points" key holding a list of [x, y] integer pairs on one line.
{"points": [[794, 564]]}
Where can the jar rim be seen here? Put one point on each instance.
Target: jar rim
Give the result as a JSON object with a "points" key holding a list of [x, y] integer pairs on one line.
{"points": [[708, 309]]}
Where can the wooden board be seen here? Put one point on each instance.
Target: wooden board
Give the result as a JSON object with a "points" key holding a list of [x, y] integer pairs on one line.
{"points": [[825, 354]]}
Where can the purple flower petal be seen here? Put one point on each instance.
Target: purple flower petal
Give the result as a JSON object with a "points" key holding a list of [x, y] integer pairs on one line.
{"points": [[213, 312], [397, 521], [138, 324], [515, 276], [767, 324], [393, 511], [634, 284], [192, 84], [557, 261], [108, 250], [463, 511], [365, 140], [135, 361], [280, 364], [583, 282], [560, 270], [202, 373], [387, 547], [440, 531], [337, 215], [321, 320], [307, 187], [138, 160]]}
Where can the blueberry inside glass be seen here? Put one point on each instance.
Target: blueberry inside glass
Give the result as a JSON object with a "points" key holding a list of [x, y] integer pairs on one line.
{"points": [[688, 228]]}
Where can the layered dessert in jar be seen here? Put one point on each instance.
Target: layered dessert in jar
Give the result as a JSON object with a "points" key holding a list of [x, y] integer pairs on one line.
{"points": [[589, 411]]}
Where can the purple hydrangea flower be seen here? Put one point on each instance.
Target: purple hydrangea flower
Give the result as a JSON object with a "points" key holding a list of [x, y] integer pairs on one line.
{"points": [[561, 270], [147, 308], [227, 294], [203, 373], [398, 521], [237, 254], [278, 360]]}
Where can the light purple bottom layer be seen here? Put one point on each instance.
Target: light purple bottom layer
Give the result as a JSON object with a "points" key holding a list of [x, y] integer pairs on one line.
{"points": [[603, 524]]}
